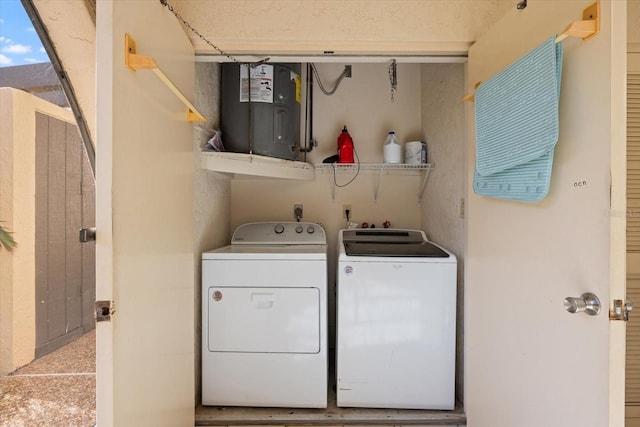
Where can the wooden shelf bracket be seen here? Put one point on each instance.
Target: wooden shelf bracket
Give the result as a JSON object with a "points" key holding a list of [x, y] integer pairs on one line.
{"points": [[136, 62], [585, 29]]}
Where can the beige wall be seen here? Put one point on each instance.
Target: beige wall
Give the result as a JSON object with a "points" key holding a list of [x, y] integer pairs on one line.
{"points": [[17, 212], [363, 103], [212, 193], [443, 123]]}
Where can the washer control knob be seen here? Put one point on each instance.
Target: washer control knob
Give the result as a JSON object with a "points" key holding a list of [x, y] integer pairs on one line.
{"points": [[279, 229], [311, 229], [299, 229]]}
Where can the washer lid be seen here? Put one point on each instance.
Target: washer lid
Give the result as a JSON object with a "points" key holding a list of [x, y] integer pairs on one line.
{"points": [[384, 235], [390, 243], [394, 249]]}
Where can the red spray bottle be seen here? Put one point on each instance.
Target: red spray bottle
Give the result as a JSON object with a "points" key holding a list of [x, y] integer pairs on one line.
{"points": [[345, 147]]}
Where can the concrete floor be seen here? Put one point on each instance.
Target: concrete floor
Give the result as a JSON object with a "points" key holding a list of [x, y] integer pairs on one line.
{"points": [[58, 389]]}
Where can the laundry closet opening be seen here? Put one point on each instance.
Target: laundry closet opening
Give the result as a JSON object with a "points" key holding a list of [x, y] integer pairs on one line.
{"points": [[417, 100]]}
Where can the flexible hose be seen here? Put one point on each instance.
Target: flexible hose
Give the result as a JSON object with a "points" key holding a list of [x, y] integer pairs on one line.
{"points": [[325, 91]]}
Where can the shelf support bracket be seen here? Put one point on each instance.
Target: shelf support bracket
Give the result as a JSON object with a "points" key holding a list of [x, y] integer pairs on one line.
{"points": [[424, 183], [333, 186], [136, 62], [375, 192], [380, 169]]}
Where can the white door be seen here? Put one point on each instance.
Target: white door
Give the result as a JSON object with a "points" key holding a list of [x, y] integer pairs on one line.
{"points": [[144, 220], [529, 362]]}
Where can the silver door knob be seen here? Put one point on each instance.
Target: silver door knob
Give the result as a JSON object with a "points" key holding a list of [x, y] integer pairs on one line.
{"points": [[587, 302]]}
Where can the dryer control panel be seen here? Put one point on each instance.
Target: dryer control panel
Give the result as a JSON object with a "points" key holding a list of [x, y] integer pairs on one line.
{"points": [[279, 233]]}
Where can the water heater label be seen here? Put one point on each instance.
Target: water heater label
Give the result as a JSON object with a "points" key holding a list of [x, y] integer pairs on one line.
{"points": [[261, 83]]}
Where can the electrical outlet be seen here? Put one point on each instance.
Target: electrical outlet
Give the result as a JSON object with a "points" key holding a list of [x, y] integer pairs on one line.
{"points": [[297, 212], [347, 71], [346, 208]]}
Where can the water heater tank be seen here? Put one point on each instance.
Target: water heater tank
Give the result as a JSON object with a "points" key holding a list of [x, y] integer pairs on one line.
{"points": [[263, 117]]}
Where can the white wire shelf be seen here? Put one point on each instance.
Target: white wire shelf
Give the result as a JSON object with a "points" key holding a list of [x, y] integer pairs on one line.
{"points": [[380, 169], [352, 167], [239, 165]]}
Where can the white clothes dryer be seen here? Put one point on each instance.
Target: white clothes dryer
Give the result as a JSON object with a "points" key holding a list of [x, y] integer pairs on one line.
{"points": [[396, 321], [264, 318]]}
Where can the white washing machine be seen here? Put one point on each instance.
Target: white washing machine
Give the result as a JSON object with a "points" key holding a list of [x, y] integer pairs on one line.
{"points": [[396, 321], [264, 317]]}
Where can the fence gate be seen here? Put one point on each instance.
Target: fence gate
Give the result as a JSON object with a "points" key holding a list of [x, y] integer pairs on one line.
{"points": [[65, 203]]}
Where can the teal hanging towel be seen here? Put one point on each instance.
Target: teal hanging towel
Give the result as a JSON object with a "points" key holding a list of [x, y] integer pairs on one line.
{"points": [[517, 126]]}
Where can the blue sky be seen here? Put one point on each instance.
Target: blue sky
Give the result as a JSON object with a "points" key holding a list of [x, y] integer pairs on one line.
{"points": [[19, 42]]}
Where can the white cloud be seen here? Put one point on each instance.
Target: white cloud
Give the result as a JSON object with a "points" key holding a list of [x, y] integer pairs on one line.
{"points": [[30, 60], [31, 30], [3, 39], [17, 48], [4, 60], [1, 21], [41, 50]]}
